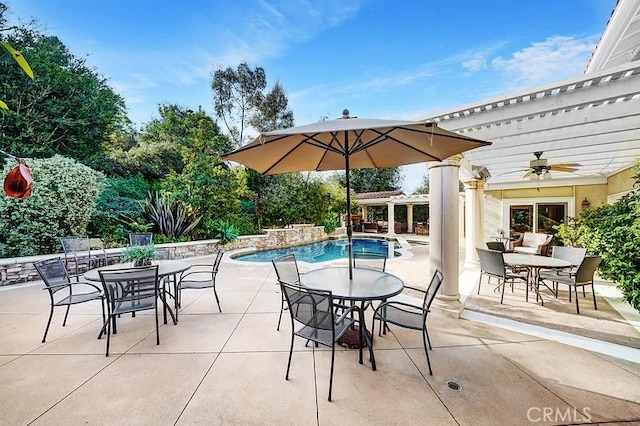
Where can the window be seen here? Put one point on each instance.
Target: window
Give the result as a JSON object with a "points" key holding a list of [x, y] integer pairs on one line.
{"points": [[537, 216]]}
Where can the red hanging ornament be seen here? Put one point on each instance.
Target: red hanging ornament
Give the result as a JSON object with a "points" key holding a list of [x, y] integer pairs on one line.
{"points": [[18, 182]]}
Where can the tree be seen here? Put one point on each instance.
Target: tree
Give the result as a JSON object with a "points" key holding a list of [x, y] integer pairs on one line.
{"points": [[236, 94], [424, 185], [273, 111], [68, 109], [373, 180]]}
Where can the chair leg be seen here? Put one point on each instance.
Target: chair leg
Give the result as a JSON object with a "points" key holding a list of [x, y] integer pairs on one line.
{"points": [[577, 306], [502, 295], [593, 292], [46, 330], [109, 335], [479, 282], [280, 317], [215, 293], [333, 356], [428, 340], [426, 351], [157, 327], [66, 314], [286, 377]]}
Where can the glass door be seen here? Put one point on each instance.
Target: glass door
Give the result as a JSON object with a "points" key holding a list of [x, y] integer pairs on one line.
{"points": [[536, 217]]}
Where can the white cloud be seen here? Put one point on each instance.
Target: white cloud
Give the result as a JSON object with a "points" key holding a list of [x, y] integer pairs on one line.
{"points": [[476, 64], [555, 58]]}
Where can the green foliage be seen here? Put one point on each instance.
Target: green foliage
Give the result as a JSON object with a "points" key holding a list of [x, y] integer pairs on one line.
{"points": [[273, 111], [373, 180], [226, 231], [64, 195], [330, 222], [612, 231], [139, 254], [118, 210], [570, 232], [424, 186], [168, 217], [68, 109]]}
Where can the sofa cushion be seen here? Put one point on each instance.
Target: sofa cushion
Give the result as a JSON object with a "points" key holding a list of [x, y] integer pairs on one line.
{"points": [[533, 240]]}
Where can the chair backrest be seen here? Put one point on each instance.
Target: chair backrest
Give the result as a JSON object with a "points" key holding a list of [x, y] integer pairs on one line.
{"points": [[53, 273], [587, 268], [370, 260], [287, 269], [491, 262], [217, 260], [140, 239], [131, 289], [575, 255], [495, 245], [72, 245], [433, 288], [313, 308]]}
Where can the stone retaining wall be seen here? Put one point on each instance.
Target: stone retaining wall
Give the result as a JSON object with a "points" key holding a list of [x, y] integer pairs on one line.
{"points": [[20, 269]]}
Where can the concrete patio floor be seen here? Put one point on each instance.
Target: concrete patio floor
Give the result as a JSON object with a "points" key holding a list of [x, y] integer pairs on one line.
{"points": [[228, 368]]}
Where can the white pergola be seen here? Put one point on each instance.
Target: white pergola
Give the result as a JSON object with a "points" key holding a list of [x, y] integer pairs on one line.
{"points": [[592, 119]]}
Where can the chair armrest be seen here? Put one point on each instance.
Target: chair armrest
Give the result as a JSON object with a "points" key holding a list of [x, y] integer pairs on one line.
{"points": [[398, 303], [518, 242], [347, 310], [423, 291]]}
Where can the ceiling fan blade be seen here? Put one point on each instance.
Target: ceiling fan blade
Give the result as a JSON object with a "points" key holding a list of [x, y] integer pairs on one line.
{"points": [[529, 173], [567, 165], [562, 168]]}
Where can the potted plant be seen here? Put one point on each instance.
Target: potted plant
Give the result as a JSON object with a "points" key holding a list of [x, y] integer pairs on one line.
{"points": [[140, 255]]}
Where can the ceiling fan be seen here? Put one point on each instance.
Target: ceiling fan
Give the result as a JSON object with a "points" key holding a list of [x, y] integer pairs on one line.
{"points": [[539, 167]]}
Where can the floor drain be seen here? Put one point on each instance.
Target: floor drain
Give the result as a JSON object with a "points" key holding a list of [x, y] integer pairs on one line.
{"points": [[454, 386]]}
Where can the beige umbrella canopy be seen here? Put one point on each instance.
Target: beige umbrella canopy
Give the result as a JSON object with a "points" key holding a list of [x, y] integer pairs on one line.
{"points": [[350, 143]]}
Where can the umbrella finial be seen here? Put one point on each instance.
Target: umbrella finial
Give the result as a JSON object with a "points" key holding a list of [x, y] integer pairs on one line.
{"points": [[345, 113]]}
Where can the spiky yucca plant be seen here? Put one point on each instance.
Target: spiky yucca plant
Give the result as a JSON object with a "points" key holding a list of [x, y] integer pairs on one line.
{"points": [[168, 216]]}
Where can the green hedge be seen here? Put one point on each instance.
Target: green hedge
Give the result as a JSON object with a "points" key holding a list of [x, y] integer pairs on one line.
{"points": [[63, 196]]}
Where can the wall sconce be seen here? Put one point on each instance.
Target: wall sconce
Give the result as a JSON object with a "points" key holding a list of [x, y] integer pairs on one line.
{"points": [[585, 204]]}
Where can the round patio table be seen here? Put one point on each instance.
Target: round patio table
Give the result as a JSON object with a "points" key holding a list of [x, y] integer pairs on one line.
{"points": [[366, 285], [166, 268], [534, 263]]}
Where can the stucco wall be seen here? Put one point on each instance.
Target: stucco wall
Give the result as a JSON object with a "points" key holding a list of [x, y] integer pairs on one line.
{"points": [[595, 194], [20, 269], [621, 182]]}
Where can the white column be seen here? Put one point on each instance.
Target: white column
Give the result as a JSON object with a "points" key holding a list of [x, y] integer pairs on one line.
{"points": [[365, 217], [444, 227], [473, 214], [391, 219], [410, 218]]}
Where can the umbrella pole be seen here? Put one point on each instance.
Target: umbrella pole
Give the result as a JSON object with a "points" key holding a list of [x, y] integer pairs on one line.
{"points": [[349, 229]]}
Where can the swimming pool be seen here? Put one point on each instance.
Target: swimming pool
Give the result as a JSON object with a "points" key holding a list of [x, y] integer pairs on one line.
{"points": [[325, 250]]}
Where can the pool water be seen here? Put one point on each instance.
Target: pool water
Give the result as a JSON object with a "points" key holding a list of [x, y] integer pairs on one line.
{"points": [[325, 250]]}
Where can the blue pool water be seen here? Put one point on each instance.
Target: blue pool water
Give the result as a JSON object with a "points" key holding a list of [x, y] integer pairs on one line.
{"points": [[324, 251]]}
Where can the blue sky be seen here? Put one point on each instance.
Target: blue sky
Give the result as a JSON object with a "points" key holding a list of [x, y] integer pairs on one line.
{"points": [[378, 58]]}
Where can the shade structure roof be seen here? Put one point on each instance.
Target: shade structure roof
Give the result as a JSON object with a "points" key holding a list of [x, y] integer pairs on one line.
{"points": [[369, 143]]}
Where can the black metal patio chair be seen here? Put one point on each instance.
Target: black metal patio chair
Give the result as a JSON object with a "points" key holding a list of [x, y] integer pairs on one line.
{"points": [[140, 239], [79, 255], [408, 315], [313, 309], [287, 272], [492, 265], [64, 292], [582, 278], [200, 276], [130, 290]]}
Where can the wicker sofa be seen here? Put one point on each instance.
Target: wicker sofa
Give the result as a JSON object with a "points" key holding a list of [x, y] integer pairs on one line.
{"points": [[532, 243]]}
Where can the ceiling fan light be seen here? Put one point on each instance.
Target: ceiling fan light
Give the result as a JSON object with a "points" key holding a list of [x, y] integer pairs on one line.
{"points": [[547, 175], [534, 176]]}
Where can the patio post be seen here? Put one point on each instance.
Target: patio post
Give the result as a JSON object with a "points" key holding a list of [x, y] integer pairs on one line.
{"points": [[444, 227], [474, 213], [391, 218], [410, 218]]}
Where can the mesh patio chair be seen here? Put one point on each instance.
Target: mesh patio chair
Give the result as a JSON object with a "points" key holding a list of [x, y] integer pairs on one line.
{"points": [[492, 265], [130, 290], [369, 260], [408, 315], [582, 278], [78, 252], [496, 245], [197, 277], [313, 309], [140, 239], [63, 292], [287, 272]]}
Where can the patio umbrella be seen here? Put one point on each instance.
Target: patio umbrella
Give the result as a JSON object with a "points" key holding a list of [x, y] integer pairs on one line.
{"points": [[350, 143]]}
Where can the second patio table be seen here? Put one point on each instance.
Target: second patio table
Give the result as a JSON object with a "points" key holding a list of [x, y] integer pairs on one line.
{"points": [[367, 285], [166, 268], [534, 263]]}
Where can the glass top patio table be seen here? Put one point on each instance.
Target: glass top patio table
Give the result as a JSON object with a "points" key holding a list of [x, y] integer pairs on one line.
{"points": [[166, 268], [534, 263], [365, 286]]}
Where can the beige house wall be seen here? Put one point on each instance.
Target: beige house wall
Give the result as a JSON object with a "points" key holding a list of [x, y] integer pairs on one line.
{"points": [[621, 182], [595, 194]]}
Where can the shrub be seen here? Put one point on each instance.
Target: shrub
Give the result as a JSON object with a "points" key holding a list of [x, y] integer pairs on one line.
{"points": [[330, 222], [226, 231], [168, 216], [63, 197]]}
